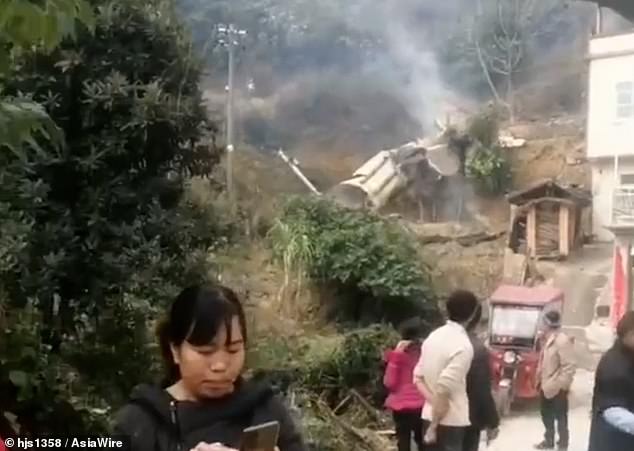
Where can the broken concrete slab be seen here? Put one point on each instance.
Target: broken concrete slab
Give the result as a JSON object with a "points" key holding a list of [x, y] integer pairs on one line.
{"points": [[508, 141]]}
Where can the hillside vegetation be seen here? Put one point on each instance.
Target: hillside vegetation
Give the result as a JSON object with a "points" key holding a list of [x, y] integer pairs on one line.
{"points": [[112, 192]]}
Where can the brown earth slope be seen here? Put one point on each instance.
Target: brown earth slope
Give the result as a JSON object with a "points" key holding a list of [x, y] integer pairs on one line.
{"points": [[554, 149]]}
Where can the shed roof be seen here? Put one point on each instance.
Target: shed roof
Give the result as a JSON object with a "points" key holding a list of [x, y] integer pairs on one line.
{"points": [[551, 189], [517, 294], [523, 209]]}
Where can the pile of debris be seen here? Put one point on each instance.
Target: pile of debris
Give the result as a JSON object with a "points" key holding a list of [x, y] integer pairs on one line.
{"points": [[430, 173], [352, 424], [426, 175]]}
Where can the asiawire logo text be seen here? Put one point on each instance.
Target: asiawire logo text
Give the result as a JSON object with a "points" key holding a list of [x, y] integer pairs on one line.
{"points": [[97, 442]]}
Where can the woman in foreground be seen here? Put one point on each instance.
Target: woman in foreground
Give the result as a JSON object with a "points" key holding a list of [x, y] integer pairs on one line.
{"points": [[205, 404], [613, 403]]}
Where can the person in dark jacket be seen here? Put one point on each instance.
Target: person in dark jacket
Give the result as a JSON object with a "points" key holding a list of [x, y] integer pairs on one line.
{"points": [[612, 427], [204, 404], [483, 413]]}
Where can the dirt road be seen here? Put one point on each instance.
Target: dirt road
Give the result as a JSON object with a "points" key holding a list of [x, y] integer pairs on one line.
{"points": [[524, 429]]}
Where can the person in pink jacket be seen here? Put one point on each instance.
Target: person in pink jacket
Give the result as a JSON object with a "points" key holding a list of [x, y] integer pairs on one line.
{"points": [[404, 399]]}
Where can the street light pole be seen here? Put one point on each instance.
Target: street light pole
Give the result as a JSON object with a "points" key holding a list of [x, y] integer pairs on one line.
{"points": [[230, 149], [230, 37]]}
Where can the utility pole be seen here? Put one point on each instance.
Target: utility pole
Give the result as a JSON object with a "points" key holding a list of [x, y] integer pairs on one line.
{"points": [[230, 37], [230, 189]]}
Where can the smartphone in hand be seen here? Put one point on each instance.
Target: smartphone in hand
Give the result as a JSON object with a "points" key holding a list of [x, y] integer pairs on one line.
{"points": [[262, 437]]}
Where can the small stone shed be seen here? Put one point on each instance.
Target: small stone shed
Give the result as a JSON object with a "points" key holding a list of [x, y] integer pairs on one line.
{"points": [[548, 220]]}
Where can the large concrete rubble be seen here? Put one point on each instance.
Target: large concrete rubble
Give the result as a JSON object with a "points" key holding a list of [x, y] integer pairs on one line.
{"points": [[417, 165], [429, 173]]}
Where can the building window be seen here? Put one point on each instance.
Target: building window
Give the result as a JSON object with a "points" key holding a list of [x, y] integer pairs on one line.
{"points": [[627, 179], [625, 100]]}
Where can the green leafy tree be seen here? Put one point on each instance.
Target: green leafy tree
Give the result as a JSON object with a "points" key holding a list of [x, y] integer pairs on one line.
{"points": [[98, 233], [23, 25]]}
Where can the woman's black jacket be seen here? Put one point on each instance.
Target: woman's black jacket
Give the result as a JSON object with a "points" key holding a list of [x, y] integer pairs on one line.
{"points": [[614, 387], [154, 421], [482, 410]]}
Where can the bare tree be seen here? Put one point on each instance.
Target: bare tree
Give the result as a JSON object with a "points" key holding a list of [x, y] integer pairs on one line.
{"points": [[500, 36]]}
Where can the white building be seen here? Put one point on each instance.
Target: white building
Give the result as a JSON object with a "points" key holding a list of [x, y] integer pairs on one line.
{"points": [[610, 131]]}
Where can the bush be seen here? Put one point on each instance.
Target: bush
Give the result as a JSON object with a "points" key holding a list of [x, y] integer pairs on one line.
{"points": [[326, 366], [318, 373], [357, 363], [97, 235], [486, 165], [370, 265], [490, 170]]}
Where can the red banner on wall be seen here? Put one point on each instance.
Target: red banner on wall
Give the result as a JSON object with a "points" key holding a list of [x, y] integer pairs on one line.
{"points": [[620, 286]]}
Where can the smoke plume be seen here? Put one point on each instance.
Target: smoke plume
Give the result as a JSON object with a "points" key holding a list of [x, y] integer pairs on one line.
{"points": [[368, 73]]}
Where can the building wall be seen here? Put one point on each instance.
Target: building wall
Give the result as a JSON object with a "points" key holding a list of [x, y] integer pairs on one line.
{"points": [[611, 96], [603, 184], [610, 127]]}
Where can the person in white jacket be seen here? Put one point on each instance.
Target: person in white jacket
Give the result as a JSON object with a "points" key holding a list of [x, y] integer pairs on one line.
{"points": [[441, 376]]}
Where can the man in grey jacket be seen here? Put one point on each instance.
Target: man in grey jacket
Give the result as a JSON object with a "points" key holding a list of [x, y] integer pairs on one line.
{"points": [[556, 372]]}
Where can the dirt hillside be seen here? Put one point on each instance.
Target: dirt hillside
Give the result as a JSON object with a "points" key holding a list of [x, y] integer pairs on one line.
{"points": [[554, 149]]}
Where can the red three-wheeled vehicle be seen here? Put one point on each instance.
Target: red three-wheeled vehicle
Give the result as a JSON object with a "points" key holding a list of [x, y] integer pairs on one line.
{"points": [[515, 339]]}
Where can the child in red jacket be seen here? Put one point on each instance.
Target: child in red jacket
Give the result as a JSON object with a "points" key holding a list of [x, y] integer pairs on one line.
{"points": [[404, 399]]}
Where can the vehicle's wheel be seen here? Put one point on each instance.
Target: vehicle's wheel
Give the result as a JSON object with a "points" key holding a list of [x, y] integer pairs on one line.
{"points": [[505, 399]]}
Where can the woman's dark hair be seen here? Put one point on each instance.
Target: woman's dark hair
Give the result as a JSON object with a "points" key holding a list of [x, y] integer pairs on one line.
{"points": [[411, 329], [196, 316], [461, 305], [626, 325]]}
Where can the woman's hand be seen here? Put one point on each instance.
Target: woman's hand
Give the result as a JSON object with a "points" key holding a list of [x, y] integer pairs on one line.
{"points": [[202, 446], [402, 345]]}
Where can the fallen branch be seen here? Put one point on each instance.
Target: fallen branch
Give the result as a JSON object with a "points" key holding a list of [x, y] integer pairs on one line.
{"points": [[342, 404], [387, 432], [466, 240], [366, 405], [355, 433]]}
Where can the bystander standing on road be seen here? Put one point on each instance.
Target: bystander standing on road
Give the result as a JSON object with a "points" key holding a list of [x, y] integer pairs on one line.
{"points": [[404, 399], [613, 401], [556, 373], [441, 376], [483, 413]]}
